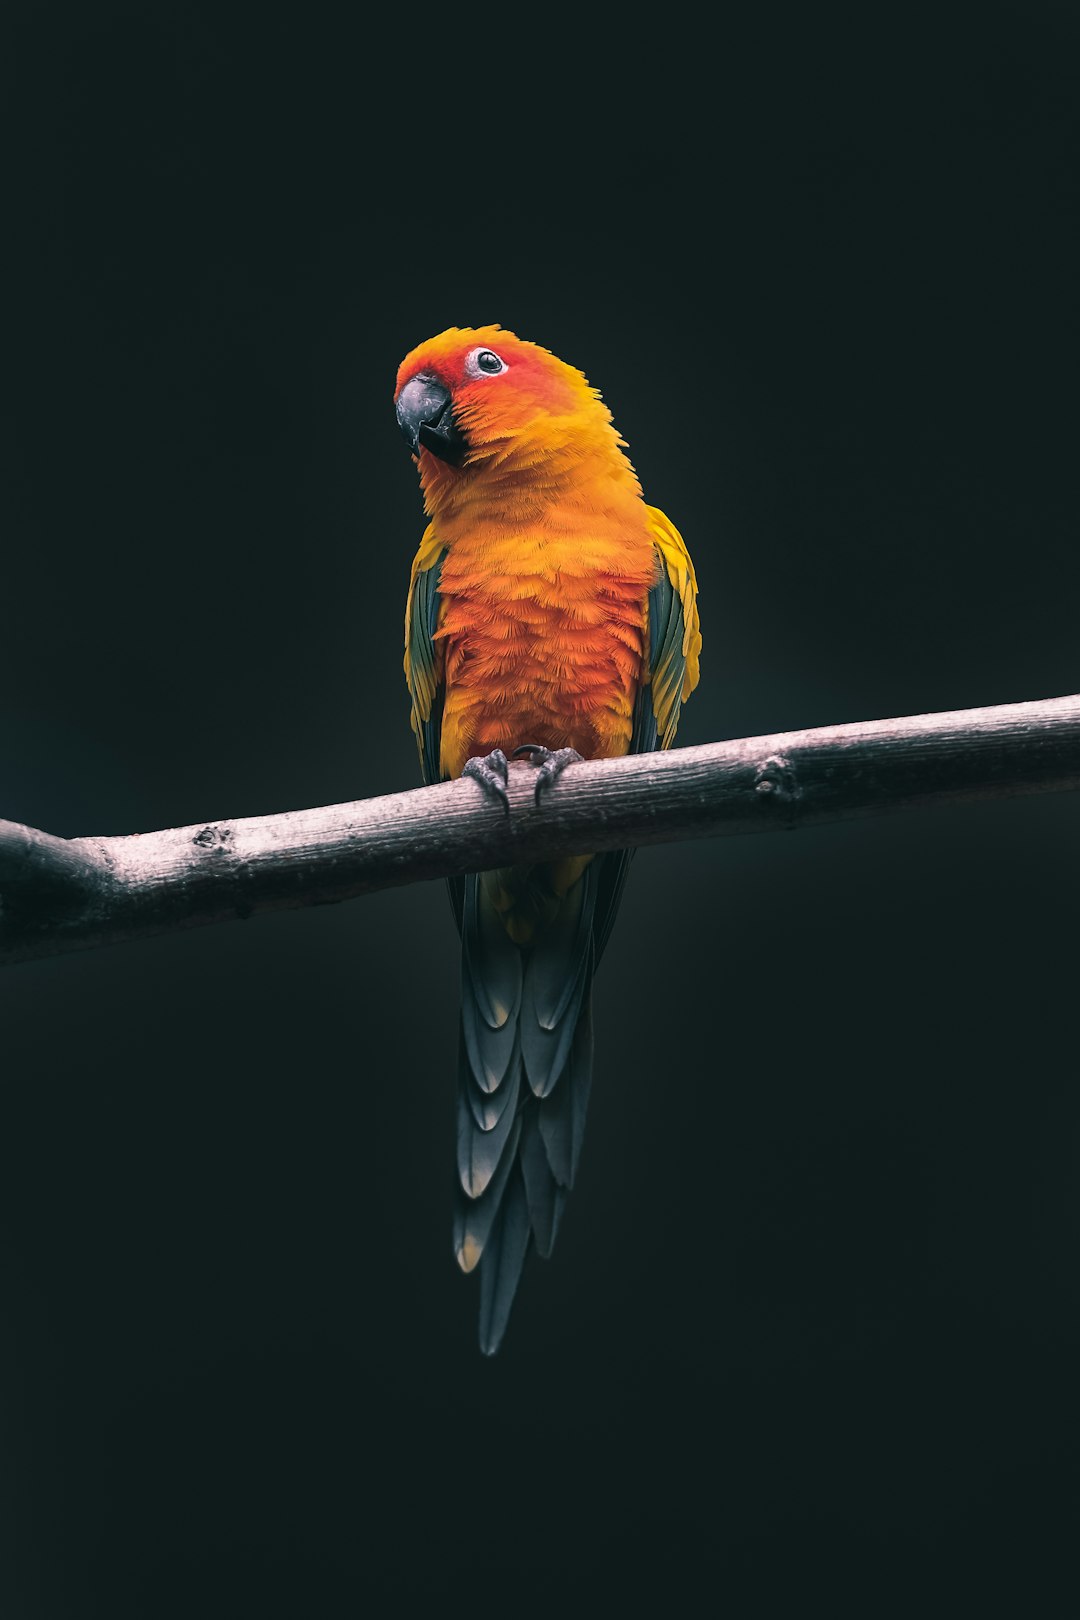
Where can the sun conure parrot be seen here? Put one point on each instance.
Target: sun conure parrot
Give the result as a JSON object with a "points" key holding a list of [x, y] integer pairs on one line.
{"points": [[551, 613]]}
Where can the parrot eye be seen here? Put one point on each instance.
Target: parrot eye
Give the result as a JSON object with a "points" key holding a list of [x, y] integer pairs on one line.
{"points": [[484, 363]]}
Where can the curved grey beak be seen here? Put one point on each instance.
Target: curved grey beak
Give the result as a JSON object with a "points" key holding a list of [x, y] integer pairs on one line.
{"points": [[425, 416]]}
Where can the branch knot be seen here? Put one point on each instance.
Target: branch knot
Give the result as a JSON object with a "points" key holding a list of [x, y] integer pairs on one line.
{"points": [[212, 837], [776, 786]]}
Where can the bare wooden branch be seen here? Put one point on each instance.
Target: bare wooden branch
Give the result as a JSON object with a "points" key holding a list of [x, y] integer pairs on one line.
{"points": [[61, 894]]}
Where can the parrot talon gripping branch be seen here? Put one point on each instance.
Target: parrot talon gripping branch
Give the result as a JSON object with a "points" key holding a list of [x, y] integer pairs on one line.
{"points": [[551, 763], [491, 772]]}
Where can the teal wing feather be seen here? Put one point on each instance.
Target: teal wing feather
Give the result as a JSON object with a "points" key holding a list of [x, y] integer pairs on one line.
{"points": [[674, 630], [672, 649], [423, 658], [424, 672]]}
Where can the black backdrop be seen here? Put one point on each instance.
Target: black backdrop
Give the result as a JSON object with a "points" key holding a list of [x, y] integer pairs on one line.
{"points": [[812, 1325]]}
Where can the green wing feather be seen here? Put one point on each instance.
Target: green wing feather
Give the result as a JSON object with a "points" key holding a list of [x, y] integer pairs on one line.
{"points": [[672, 658], [424, 658], [424, 672], [674, 647]]}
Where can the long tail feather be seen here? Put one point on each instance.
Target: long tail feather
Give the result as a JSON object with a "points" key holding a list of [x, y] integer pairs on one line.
{"points": [[562, 1118], [524, 1076], [503, 1261], [481, 1146], [543, 1193], [474, 1218]]}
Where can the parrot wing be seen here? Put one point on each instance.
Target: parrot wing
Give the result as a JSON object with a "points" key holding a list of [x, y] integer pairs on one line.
{"points": [[424, 658], [674, 646], [425, 671], [673, 651]]}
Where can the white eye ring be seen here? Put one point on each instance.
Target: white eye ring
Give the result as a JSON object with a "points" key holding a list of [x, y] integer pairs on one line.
{"points": [[478, 363]]}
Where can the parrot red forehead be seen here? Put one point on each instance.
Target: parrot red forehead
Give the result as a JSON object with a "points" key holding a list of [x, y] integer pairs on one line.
{"points": [[451, 357]]}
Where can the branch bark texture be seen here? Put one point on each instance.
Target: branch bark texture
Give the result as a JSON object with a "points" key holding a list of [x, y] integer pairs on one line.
{"points": [[61, 894]]}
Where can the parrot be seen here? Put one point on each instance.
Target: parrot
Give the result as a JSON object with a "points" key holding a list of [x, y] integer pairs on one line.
{"points": [[551, 616]]}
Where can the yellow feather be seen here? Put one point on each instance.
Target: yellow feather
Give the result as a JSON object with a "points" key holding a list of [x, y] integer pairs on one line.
{"points": [[680, 569]]}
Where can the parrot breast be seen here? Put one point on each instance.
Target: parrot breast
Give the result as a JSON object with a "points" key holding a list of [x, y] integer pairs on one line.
{"points": [[544, 637]]}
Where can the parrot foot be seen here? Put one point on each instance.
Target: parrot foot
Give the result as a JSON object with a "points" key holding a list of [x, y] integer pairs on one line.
{"points": [[490, 770], [552, 763]]}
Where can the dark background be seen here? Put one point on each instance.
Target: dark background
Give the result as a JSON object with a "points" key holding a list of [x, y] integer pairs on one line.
{"points": [[811, 1332]]}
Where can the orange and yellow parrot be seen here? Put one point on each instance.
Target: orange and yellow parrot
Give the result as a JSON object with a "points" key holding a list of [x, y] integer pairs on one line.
{"points": [[551, 614]]}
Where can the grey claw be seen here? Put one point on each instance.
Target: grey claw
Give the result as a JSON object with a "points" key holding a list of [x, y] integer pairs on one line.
{"points": [[491, 771], [552, 763], [553, 766]]}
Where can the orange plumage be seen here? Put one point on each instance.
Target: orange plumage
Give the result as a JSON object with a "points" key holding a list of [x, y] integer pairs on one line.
{"points": [[548, 606], [549, 558]]}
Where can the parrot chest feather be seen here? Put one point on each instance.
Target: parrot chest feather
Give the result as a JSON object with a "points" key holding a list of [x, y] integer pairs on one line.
{"points": [[544, 641]]}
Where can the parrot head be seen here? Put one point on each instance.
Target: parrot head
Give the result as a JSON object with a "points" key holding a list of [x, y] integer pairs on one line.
{"points": [[480, 398]]}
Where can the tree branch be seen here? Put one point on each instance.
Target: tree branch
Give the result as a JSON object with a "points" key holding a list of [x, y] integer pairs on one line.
{"points": [[61, 894]]}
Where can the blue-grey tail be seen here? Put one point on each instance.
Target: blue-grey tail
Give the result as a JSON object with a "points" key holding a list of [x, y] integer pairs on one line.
{"points": [[524, 1076]]}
